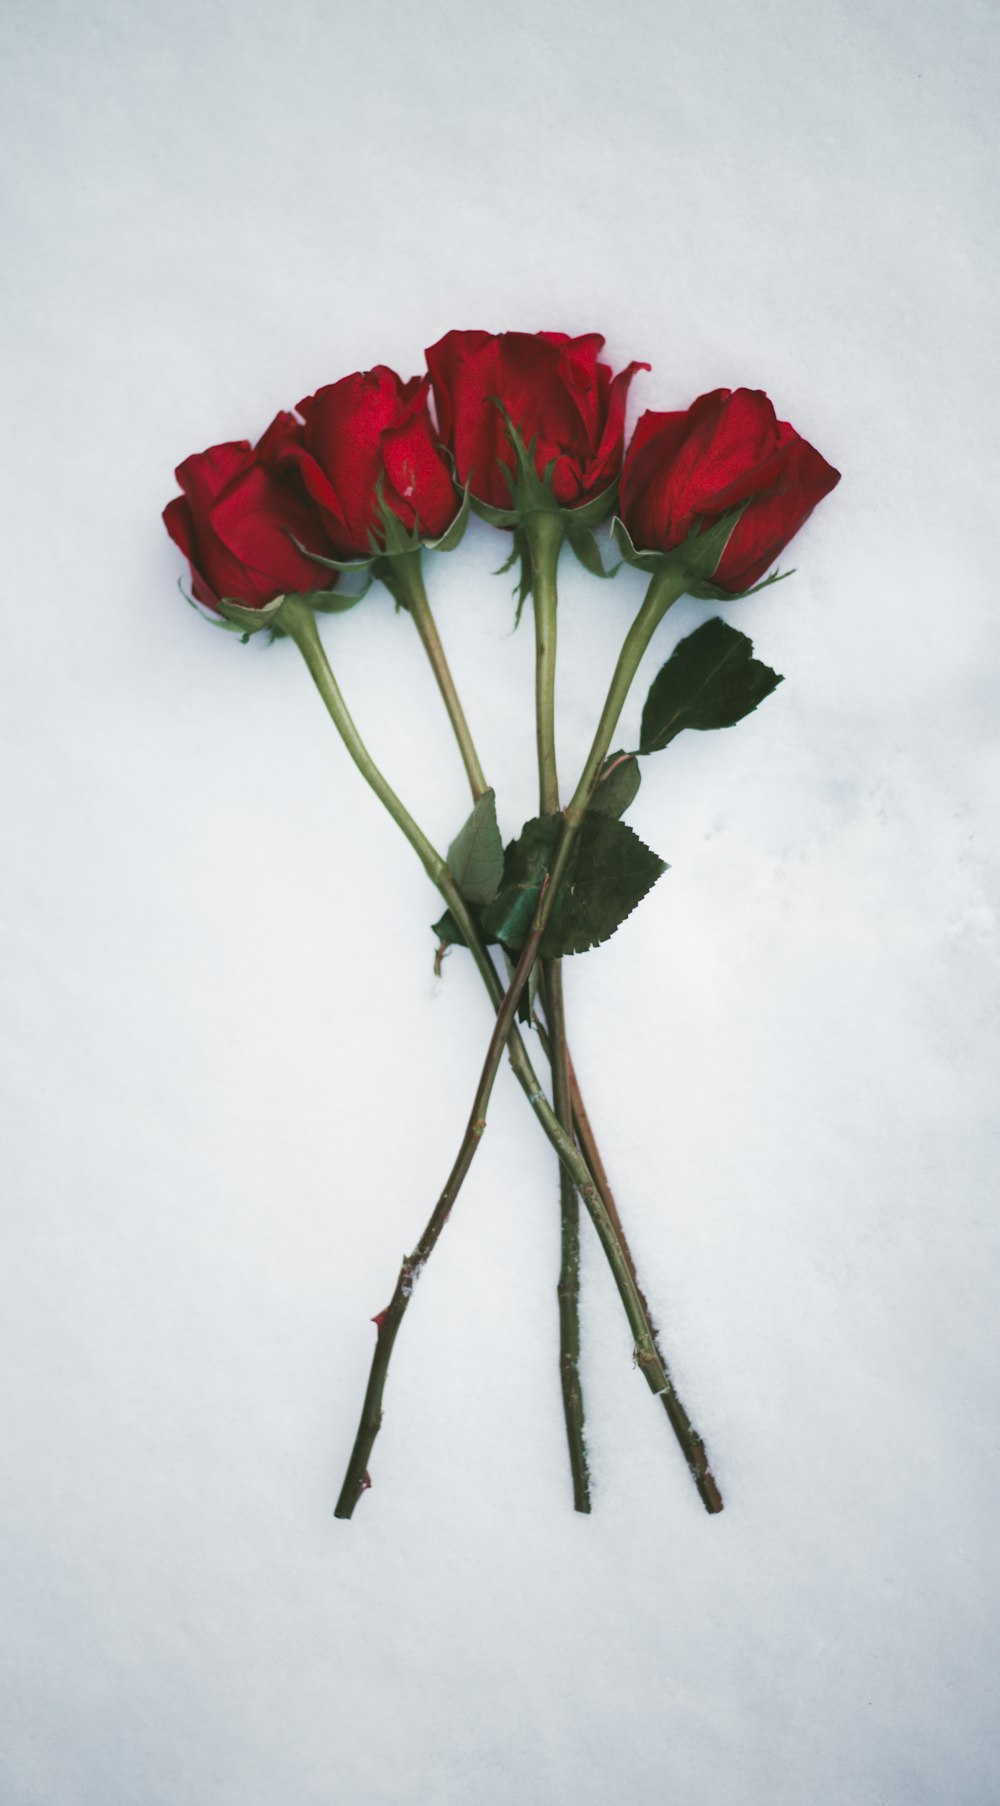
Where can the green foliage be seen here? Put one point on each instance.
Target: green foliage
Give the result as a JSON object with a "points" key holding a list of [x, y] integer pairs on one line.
{"points": [[609, 872], [617, 785], [532, 493], [476, 854], [447, 931], [711, 679]]}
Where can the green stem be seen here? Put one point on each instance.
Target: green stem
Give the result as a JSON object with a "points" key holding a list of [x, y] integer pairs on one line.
{"points": [[545, 535], [664, 590], [408, 586], [298, 621]]}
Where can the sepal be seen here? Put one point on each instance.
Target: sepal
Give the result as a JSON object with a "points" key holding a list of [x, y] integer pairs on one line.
{"points": [[396, 539], [211, 615], [453, 535], [587, 548], [598, 509], [335, 601], [331, 564], [532, 493], [250, 620], [698, 558], [247, 621]]}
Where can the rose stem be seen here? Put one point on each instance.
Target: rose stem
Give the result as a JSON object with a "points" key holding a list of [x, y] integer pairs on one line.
{"points": [[298, 621], [592, 1154], [545, 537], [412, 594], [408, 587], [665, 587]]}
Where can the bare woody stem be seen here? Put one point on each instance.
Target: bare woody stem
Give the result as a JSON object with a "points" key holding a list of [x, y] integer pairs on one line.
{"points": [[297, 620], [389, 1320], [545, 536], [592, 1155]]}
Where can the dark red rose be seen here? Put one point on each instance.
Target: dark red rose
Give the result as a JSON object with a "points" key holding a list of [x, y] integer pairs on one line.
{"points": [[554, 390], [233, 524], [369, 426], [729, 447]]}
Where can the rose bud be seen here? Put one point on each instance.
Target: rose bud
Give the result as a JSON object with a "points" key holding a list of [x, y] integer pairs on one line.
{"points": [[368, 443], [683, 472], [566, 406], [235, 522]]}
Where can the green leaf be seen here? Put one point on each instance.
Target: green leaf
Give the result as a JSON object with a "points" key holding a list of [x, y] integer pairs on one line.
{"points": [[525, 863], [447, 931], [618, 784], [476, 854], [609, 872], [710, 680]]}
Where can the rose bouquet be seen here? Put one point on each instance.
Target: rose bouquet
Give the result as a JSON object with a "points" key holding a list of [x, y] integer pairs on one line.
{"points": [[527, 429]]}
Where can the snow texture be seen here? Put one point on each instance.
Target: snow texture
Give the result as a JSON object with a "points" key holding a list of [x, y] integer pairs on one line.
{"points": [[232, 1085]]}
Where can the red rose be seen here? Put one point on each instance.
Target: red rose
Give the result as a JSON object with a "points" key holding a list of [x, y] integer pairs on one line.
{"points": [[555, 392], [367, 427], [233, 524], [728, 448]]}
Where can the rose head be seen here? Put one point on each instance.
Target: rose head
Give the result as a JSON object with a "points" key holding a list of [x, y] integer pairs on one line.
{"points": [[729, 449], [367, 436], [555, 392], [234, 524]]}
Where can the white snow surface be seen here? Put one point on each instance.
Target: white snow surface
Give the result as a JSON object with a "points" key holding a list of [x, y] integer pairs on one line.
{"points": [[232, 1086]]}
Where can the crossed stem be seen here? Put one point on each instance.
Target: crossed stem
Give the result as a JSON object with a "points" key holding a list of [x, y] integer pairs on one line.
{"points": [[297, 620]]}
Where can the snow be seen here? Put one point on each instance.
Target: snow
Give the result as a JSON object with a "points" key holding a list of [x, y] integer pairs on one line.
{"points": [[232, 1085]]}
